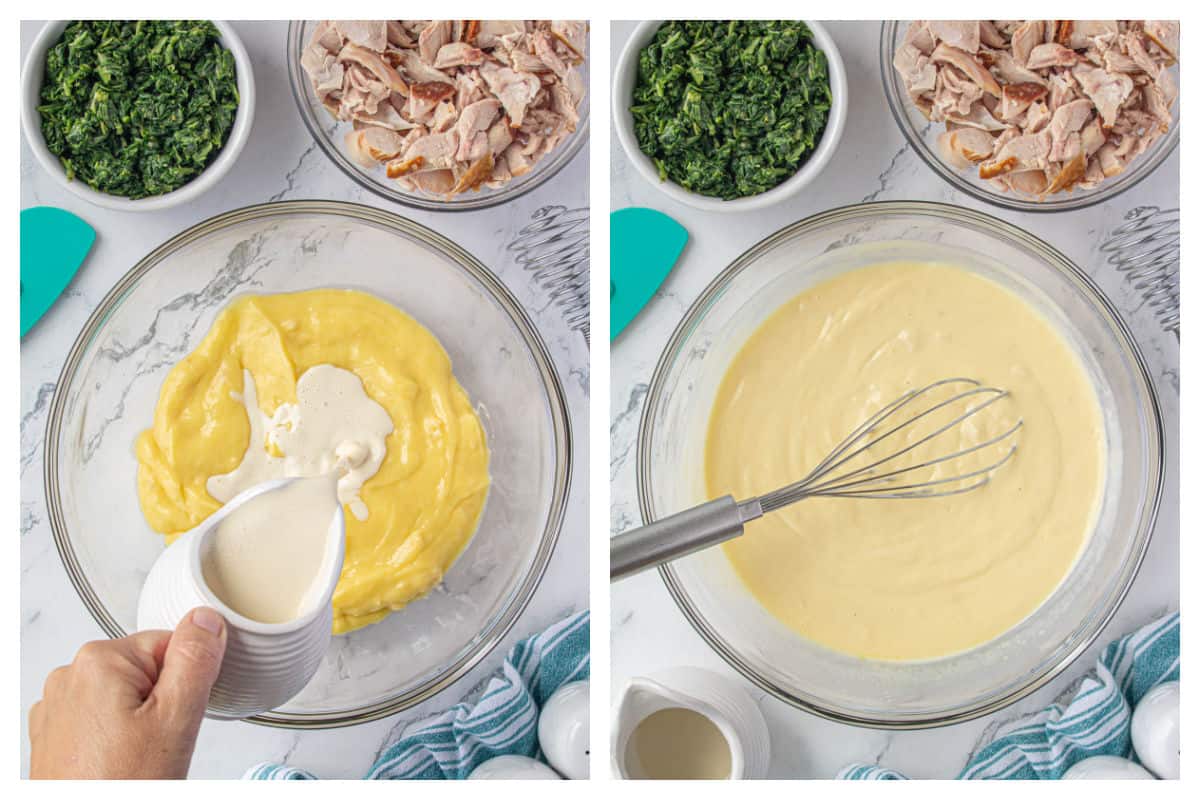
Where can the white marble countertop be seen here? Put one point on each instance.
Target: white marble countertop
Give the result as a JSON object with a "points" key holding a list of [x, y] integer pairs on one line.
{"points": [[872, 163], [280, 162]]}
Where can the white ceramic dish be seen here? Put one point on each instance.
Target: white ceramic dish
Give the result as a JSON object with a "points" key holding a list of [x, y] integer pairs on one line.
{"points": [[265, 665], [31, 124], [1107, 768], [724, 703], [513, 768], [625, 77]]}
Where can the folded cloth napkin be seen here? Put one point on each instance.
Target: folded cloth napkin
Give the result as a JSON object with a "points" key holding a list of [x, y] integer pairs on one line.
{"points": [[1094, 723], [503, 721]]}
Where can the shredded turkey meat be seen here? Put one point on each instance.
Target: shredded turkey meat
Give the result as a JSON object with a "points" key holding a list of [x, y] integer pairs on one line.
{"points": [[448, 106], [1039, 106]]}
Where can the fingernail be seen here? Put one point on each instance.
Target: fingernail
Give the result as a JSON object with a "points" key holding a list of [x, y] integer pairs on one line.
{"points": [[209, 620]]}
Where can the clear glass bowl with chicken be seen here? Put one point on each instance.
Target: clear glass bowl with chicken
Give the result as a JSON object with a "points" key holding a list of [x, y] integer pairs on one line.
{"points": [[1037, 114], [465, 113]]}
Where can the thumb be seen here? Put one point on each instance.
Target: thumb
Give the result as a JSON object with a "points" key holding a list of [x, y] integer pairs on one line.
{"points": [[190, 666]]}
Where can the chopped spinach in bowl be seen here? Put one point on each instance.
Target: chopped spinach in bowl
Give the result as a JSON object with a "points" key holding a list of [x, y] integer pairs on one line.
{"points": [[730, 108], [138, 108]]}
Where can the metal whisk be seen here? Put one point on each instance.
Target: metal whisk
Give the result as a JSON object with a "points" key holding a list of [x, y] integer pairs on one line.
{"points": [[555, 248], [878, 442], [1145, 249]]}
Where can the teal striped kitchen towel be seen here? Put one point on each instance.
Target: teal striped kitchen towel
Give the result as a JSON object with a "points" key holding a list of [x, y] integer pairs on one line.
{"points": [[503, 721], [1094, 723]]}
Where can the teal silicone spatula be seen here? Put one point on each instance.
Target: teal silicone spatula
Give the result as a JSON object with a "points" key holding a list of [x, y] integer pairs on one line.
{"points": [[644, 245], [54, 244]]}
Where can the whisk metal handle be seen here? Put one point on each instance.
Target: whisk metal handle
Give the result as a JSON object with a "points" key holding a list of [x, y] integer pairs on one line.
{"points": [[679, 535]]}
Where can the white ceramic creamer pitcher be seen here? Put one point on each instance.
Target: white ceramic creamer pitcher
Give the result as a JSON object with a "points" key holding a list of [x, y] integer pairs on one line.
{"points": [[725, 704], [265, 664]]}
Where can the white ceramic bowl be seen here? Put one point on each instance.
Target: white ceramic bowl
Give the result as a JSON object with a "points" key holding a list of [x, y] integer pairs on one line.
{"points": [[625, 77], [31, 123], [725, 703]]}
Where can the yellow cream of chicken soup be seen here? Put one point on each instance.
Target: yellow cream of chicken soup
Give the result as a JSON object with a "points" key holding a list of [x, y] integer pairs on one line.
{"points": [[410, 448], [908, 579]]}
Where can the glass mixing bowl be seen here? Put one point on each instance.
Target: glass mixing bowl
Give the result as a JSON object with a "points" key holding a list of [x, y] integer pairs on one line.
{"points": [[158, 313], [922, 135], [893, 694], [329, 132]]}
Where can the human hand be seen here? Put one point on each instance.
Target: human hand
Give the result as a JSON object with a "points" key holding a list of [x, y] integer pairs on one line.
{"points": [[128, 708]]}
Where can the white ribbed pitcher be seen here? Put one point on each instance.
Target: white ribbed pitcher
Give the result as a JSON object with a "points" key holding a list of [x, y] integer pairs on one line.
{"points": [[726, 705], [266, 664]]}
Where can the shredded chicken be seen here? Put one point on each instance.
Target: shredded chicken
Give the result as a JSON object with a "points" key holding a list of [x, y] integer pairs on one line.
{"points": [[450, 105], [1037, 106]]}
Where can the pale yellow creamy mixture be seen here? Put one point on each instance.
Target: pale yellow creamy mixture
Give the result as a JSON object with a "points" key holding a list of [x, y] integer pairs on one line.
{"points": [[919, 578]]}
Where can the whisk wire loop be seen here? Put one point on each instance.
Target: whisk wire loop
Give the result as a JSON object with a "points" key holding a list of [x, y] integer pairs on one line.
{"points": [[915, 490], [555, 249], [996, 395], [970, 412], [874, 478], [869, 482], [862, 430], [1145, 250]]}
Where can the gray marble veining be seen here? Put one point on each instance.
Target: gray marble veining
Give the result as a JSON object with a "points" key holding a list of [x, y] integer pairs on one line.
{"points": [[872, 163], [280, 162]]}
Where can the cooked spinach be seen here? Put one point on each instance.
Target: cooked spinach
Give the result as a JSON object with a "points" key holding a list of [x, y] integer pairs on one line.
{"points": [[730, 108], [137, 109]]}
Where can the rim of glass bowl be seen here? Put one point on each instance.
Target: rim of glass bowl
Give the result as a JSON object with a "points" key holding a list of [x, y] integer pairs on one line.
{"points": [[475, 201], [934, 212], [1141, 168], [558, 411]]}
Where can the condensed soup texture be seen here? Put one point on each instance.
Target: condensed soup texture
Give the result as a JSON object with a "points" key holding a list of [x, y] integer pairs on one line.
{"points": [[909, 579], [326, 382]]}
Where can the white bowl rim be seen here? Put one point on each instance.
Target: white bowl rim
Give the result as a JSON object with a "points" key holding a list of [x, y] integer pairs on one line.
{"points": [[830, 137], [239, 134]]}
